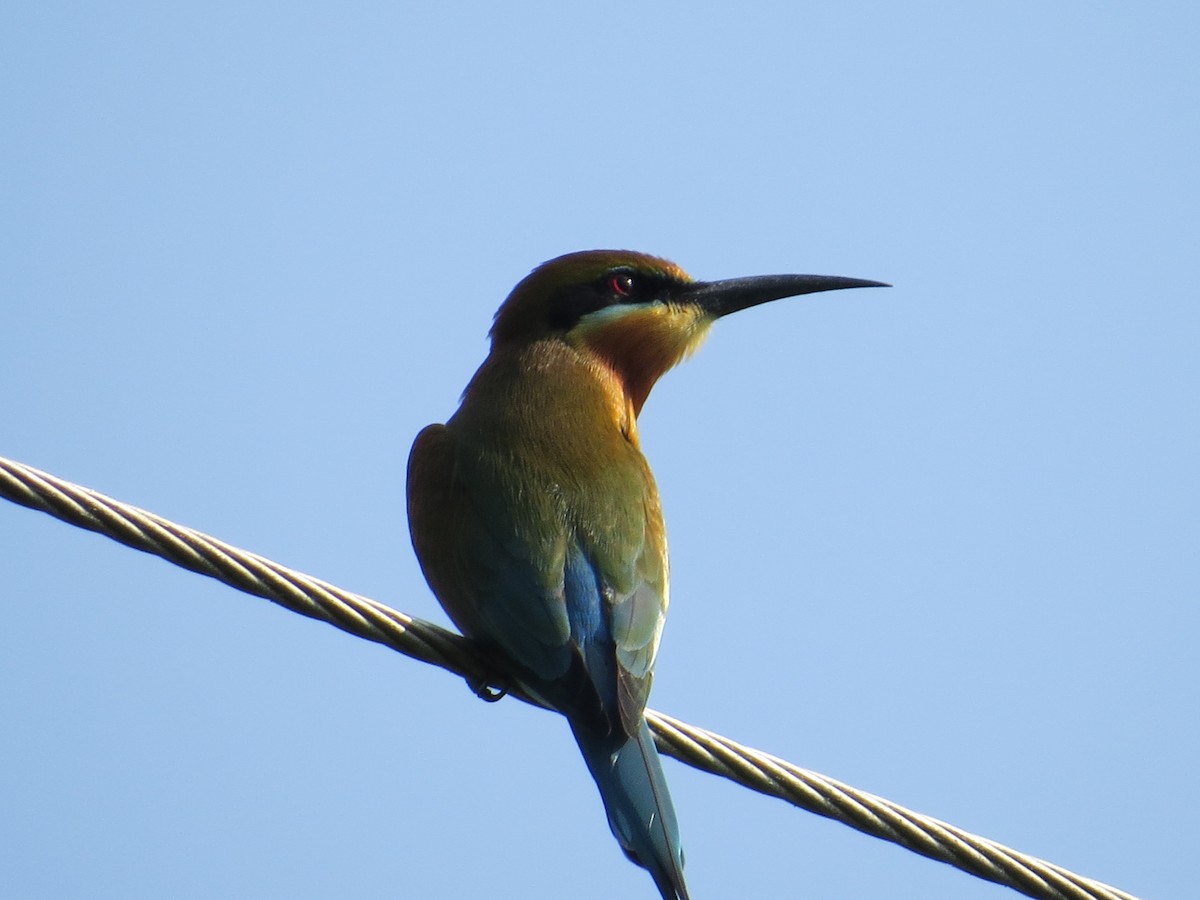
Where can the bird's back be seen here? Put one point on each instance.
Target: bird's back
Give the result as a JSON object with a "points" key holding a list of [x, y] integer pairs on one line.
{"points": [[537, 521]]}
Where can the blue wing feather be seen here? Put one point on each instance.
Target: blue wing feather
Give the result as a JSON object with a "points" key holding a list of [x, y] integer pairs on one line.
{"points": [[625, 766], [533, 588]]}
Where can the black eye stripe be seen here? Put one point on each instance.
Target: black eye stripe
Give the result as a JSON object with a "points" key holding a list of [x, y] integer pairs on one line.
{"points": [[616, 286], [572, 304]]}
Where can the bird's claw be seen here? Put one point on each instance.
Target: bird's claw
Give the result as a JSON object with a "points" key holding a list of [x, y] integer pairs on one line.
{"points": [[486, 691]]}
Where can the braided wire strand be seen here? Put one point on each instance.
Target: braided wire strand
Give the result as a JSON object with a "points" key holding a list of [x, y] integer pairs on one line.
{"points": [[704, 750]]}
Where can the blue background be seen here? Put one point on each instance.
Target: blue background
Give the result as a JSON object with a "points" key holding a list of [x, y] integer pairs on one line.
{"points": [[939, 542]]}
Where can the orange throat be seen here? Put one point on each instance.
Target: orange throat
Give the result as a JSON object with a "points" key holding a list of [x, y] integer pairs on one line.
{"points": [[639, 344]]}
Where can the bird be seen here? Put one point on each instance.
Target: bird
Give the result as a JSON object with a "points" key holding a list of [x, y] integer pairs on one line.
{"points": [[536, 520]]}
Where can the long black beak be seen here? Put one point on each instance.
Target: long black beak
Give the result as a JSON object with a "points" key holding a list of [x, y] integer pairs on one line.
{"points": [[720, 298]]}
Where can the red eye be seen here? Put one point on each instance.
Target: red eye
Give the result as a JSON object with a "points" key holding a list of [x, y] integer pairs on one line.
{"points": [[622, 284]]}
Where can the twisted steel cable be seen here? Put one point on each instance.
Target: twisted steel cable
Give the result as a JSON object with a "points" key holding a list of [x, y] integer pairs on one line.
{"points": [[429, 643]]}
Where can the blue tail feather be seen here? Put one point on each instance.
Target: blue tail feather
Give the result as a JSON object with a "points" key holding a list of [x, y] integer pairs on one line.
{"points": [[640, 813]]}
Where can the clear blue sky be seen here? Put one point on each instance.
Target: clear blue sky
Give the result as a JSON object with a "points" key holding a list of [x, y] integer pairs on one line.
{"points": [[939, 542]]}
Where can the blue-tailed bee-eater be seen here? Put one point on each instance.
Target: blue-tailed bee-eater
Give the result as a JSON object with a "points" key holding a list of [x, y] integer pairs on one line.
{"points": [[537, 521]]}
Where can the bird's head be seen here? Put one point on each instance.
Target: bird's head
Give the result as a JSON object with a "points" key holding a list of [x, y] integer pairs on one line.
{"points": [[638, 314]]}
